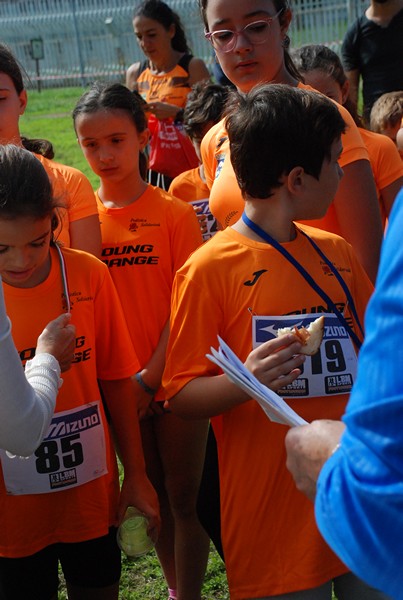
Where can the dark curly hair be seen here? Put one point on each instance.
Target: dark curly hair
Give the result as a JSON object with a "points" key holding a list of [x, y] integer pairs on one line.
{"points": [[276, 127], [205, 104]]}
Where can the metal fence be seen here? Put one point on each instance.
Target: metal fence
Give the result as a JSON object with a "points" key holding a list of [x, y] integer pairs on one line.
{"points": [[73, 42]]}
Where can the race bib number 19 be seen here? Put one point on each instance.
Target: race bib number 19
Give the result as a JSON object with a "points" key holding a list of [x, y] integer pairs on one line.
{"points": [[72, 453], [331, 371]]}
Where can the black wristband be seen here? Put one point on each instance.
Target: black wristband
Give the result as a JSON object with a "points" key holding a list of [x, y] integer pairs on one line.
{"points": [[143, 384]]}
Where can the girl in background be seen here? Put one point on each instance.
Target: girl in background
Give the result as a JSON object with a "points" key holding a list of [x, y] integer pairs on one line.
{"points": [[322, 70], [146, 236], [165, 79], [79, 223]]}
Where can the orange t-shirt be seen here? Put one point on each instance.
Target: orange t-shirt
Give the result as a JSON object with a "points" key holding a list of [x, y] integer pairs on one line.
{"points": [[190, 187], [172, 87], [73, 189], [271, 543], [144, 244], [31, 522], [226, 202], [385, 162]]}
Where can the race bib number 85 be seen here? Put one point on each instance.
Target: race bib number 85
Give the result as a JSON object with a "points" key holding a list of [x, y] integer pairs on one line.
{"points": [[72, 453]]}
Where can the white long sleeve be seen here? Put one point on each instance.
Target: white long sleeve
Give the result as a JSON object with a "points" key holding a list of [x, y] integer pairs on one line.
{"points": [[27, 400]]}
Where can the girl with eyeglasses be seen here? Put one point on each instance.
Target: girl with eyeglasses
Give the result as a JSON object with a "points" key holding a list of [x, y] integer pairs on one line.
{"points": [[251, 43]]}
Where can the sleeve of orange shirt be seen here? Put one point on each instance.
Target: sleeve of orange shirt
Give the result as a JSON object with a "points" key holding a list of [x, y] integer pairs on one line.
{"points": [[390, 166], [189, 186], [208, 150], [82, 227], [185, 234], [74, 191]]}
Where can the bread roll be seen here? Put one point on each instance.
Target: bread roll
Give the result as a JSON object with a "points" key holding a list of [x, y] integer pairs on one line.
{"points": [[310, 337]]}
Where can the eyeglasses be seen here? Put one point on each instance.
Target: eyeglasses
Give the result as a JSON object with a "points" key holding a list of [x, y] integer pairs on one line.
{"points": [[257, 32]]}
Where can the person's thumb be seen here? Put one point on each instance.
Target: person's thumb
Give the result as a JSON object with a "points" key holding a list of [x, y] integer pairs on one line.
{"points": [[61, 321]]}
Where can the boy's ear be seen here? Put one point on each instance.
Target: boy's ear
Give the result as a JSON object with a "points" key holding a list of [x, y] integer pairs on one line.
{"points": [[285, 20], [345, 90], [144, 137], [296, 180], [23, 99], [172, 30]]}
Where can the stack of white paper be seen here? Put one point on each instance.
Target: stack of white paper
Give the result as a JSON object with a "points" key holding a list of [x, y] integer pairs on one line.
{"points": [[273, 405]]}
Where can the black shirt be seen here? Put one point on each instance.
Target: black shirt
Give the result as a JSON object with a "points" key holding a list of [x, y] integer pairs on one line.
{"points": [[377, 53]]}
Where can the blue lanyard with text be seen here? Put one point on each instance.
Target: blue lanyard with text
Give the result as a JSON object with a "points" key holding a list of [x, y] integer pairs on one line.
{"points": [[267, 238]]}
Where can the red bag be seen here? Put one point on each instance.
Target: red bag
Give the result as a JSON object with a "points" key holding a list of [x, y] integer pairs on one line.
{"points": [[171, 151]]}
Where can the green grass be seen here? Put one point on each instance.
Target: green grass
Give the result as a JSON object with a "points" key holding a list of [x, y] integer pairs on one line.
{"points": [[48, 116], [142, 579]]}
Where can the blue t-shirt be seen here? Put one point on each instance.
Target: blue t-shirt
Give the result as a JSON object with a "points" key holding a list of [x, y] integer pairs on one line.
{"points": [[359, 502]]}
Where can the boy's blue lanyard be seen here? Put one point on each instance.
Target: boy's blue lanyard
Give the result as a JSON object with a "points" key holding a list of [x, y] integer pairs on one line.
{"points": [[267, 238]]}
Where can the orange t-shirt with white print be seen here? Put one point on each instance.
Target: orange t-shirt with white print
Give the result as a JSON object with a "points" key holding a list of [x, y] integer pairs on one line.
{"points": [[172, 87], [33, 521], [74, 190], [385, 162], [144, 244], [226, 202], [271, 543]]}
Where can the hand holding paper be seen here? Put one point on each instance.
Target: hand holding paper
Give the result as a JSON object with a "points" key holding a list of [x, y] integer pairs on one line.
{"points": [[273, 405]]}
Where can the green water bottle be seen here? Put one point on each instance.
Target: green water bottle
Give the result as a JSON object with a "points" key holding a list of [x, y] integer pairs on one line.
{"points": [[132, 534]]}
